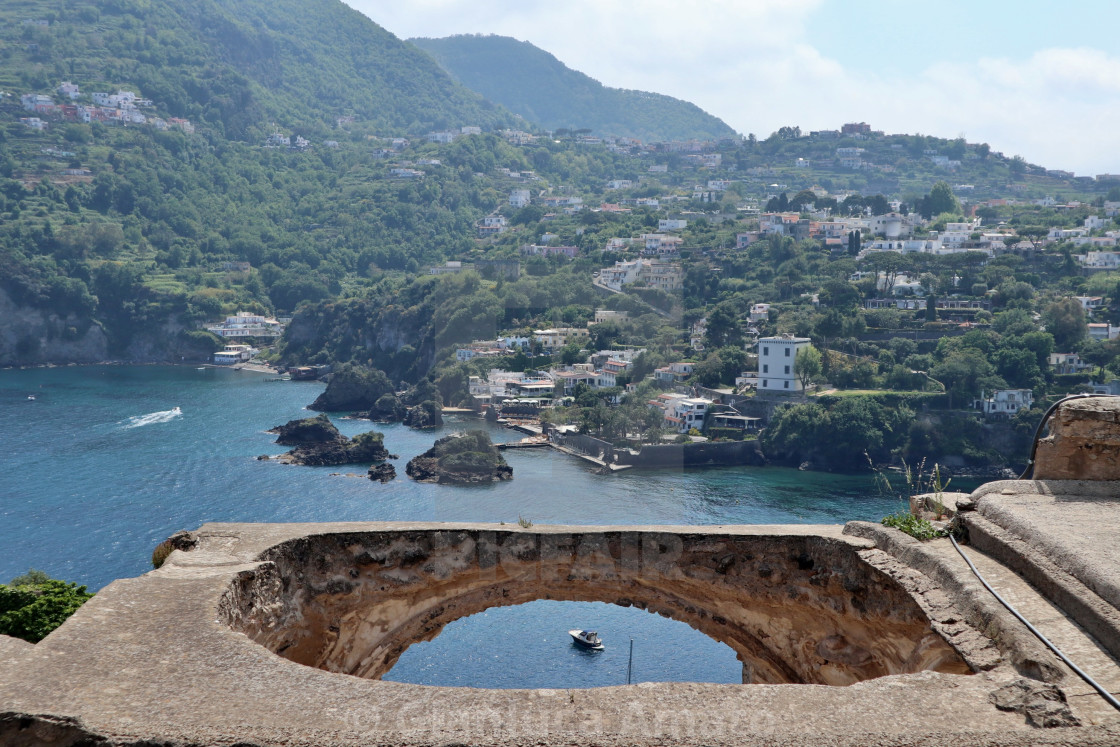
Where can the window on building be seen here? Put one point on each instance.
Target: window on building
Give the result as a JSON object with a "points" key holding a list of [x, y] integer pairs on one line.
{"points": [[765, 350], [787, 385], [787, 352], [765, 383], [765, 368], [787, 369]]}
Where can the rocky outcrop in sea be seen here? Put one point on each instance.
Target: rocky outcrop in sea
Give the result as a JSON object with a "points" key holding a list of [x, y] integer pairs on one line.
{"points": [[318, 443], [461, 458]]}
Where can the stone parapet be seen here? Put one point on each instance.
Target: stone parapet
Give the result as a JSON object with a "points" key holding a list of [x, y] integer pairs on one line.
{"points": [[1084, 442]]}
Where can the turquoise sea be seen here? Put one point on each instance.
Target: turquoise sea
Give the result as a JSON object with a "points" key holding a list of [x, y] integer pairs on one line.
{"points": [[100, 467]]}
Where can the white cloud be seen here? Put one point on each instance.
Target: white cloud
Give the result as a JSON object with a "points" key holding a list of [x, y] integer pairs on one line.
{"points": [[750, 63]]}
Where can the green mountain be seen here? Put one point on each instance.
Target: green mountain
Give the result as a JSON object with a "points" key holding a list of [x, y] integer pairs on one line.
{"points": [[531, 82], [241, 66]]}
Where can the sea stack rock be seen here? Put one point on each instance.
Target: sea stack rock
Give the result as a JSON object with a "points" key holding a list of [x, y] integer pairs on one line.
{"points": [[460, 458], [427, 414], [352, 388], [387, 409], [383, 472], [319, 444], [317, 430]]}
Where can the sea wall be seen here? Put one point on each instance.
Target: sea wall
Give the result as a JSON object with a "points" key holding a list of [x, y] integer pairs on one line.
{"points": [[711, 453]]}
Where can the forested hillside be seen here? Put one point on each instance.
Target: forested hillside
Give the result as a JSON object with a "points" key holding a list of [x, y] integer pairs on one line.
{"points": [[536, 85], [163, 165], [242, 67]]}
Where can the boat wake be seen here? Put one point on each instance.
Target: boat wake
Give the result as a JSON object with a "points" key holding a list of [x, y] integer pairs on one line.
{"points": [[152, 418]]}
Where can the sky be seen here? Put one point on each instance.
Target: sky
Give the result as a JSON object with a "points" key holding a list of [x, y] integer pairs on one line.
{"points": [[1030, 78]]}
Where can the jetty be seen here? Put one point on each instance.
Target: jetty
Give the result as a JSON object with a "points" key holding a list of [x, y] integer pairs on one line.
{"points": [[457, 411], [605, 467], [532, 442]]}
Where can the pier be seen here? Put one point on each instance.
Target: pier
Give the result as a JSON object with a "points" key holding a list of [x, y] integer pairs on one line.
{"points": [[606, 468]]}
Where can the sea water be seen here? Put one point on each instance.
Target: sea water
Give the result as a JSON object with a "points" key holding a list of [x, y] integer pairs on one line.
{"points": [[107, 461]]}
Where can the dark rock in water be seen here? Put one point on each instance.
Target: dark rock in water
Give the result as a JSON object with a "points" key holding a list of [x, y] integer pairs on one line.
{"points": [[383, 472], [319, 444], [387, 409], [365, 447], [427, 414], [460, 458], [317, 430], [352, 388]]}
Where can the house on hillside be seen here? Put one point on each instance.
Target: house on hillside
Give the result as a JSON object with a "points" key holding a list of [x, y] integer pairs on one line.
{"points": [[1004, 402], [776, 356]]}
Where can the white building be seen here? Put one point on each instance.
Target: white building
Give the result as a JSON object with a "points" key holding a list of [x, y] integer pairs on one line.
{"points": [[1102, 331], [519, 198], [242, 324], [663, 275], [680, 412], [606, 315], [1005, 402], [688, 413], [1101, 260], [776, 369], [231, 354], [557, 337], [442, 137], [671, 224]]}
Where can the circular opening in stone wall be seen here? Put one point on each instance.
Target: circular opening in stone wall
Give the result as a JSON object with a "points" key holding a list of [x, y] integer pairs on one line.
{"points": [[794, 609], [528, 646]]}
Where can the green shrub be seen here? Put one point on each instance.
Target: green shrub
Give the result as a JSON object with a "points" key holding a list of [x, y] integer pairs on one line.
{"points": [[469, 461], [915, 526], [33, 605]]}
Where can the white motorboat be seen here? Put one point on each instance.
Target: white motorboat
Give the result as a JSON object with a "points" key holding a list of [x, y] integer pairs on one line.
{"points": [[588, 638]]}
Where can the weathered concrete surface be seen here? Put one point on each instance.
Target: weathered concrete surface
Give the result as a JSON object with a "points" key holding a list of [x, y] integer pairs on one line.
{"points": [[155, 658], [1084, 442], [1063, 536]]}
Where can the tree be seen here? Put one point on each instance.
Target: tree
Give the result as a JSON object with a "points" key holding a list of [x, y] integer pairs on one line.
{"points": [[963, 372], [1098, 353], [571, 353], [888, 265], [1065, 320], [33, 605], [807, 365], [709, 372], [723, 328], [854, 242], [941, 200]]}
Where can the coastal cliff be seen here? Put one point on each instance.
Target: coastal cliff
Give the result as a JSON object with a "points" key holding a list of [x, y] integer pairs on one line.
{"points": [[31, 336]]}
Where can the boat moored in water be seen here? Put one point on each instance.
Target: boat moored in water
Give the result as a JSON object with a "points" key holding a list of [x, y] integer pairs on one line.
{"points": [[587, 638]]}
